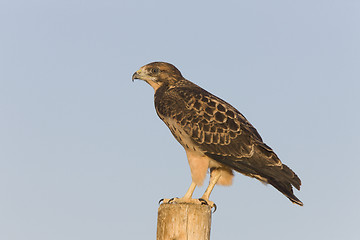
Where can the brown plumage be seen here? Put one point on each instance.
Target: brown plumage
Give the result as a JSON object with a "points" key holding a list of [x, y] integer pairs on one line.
{"points": [[214, 134]]}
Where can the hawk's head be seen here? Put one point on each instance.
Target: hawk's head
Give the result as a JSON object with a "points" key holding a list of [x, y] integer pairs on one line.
{"points": [[158, 73]]}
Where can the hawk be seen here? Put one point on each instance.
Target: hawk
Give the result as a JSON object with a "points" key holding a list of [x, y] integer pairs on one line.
{"points": [[214, 134]]}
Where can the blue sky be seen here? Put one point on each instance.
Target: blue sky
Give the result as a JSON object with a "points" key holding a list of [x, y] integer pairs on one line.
{"points": [[84, 156]]}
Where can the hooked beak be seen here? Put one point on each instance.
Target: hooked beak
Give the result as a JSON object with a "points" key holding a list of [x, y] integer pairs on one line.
{"points": [[141, 74], [136, 75]]}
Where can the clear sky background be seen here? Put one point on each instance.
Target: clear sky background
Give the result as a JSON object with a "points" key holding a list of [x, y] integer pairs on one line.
{"points": [[83, 154]]}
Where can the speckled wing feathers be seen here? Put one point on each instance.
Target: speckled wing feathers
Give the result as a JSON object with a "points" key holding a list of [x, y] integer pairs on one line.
{"points": [[213, 124]]}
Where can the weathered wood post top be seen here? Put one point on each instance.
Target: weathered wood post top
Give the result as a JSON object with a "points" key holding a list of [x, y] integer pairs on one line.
{"points": [[183, 221]]}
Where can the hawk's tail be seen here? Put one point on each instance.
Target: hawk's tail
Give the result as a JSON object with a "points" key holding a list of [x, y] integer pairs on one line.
{"points": [[283, 178], [280, 176]]}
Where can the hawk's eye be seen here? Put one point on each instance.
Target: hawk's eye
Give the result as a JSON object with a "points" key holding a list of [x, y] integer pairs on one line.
{"points": [[154, 70]]}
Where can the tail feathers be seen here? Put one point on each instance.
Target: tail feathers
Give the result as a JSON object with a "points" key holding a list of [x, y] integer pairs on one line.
{"points": [[281, 177], [286, 189], [291, 176]]}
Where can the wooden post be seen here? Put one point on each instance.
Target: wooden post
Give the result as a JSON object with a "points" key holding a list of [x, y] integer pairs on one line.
{"points": [[183, 221]]}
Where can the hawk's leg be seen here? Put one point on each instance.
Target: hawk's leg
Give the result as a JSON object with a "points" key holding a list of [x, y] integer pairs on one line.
{"points": [[190, 191], [214, 178], [187, 198]]}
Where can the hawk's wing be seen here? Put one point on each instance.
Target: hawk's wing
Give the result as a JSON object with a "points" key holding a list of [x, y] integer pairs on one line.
{"points": [[225, 135], [214, 125]]}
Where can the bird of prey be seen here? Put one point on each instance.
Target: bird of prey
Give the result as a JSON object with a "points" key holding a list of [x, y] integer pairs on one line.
{"points": [[214, 134]]}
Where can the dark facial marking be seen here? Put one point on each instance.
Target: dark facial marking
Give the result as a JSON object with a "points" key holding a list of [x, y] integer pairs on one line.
{"points": [[155, 70]]}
